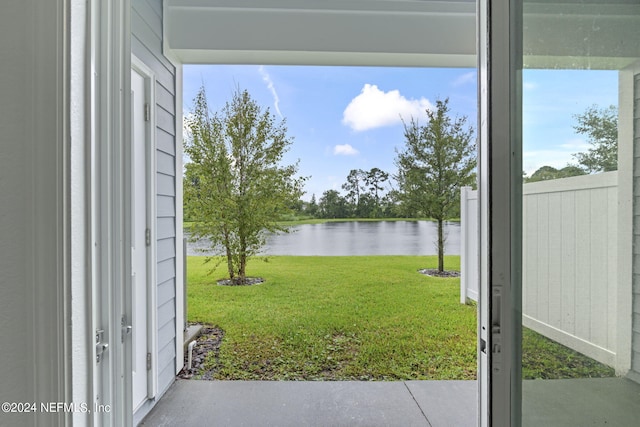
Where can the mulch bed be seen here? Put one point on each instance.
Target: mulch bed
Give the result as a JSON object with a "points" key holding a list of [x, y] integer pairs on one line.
{"points": [[247, 281], [207, 343], [435, 273]]}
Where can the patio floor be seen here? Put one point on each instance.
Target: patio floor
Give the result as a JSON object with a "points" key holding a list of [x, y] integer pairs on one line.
{"points": [[316, 403], [559, 403]]}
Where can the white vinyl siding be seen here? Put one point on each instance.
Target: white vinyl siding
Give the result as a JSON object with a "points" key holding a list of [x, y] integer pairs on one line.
{"points": [[635, 355], [146, 44]]}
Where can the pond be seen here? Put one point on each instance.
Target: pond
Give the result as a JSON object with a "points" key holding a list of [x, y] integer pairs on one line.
{"points": [[357, 238]]}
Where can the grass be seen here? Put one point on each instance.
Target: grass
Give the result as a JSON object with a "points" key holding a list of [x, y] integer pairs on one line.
{"points": [[543, 358], [355, 318], [338, 318]]}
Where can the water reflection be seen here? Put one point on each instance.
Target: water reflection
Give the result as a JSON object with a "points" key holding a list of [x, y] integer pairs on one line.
{"points": [[358, 238]]}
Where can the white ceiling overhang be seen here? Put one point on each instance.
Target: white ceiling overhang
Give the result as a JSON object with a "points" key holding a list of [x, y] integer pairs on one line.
{"points": [[559, 34], [323, 32]]}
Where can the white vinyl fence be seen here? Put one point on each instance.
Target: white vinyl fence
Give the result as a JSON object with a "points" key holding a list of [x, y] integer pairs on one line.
{"points": [[569, 269], [469, 282]]}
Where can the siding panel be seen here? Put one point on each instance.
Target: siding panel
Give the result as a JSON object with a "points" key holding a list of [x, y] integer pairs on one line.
{"points": [[146, 44], [165, 121], [156, 5], [166, 271], [167, 310], [165, 142], [166, 206], [144, 33], [166, 291], [165, 163], [165, 185], [166, 249], [166, 228], [167, 375], [166, 355], [635, 357], [150, 16], [164, 99]]}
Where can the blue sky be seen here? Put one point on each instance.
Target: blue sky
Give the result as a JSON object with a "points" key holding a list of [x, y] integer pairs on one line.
{"points": [[344, 118]]}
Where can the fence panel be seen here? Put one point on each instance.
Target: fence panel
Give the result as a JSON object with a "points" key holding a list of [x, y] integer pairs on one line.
{"points": [[469, 280], [569, 260]]}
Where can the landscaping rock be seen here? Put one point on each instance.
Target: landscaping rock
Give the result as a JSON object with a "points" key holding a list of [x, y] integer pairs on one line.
{"points": [[207, 346]]}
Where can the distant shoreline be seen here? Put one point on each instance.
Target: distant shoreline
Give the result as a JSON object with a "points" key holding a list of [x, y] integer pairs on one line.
{"points": [[189, 224]]}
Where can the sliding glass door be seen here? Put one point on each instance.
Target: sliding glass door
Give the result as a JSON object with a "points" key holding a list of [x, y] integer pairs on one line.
{"points": [[560, 196]]}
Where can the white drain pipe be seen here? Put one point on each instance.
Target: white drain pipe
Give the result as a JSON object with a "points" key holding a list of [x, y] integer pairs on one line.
{"points": [[190, 354]]}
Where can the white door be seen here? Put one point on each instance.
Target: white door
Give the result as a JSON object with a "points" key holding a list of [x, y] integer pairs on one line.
{"points": [[140, 232]]}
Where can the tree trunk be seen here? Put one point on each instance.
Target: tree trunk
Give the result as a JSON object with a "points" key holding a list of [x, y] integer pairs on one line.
{"points": [[242, 275], [227, 247], [440, 246], [242, 268], [230, 264]]}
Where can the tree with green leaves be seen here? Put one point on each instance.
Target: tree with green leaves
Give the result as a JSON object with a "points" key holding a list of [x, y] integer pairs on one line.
{"points": [[332, 205], [242, 188], [374, 180], [439, 158], [600, 126], [353, 187], [312, 207], [546, 173]]}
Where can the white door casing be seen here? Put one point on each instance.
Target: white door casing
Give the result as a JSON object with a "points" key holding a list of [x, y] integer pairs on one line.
{"points": [[142, 228]]}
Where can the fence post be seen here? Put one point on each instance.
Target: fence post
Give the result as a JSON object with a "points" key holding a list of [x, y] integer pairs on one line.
{"points": [[464, 242]]}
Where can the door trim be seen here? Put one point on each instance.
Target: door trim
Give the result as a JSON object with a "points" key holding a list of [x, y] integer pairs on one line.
{"points": [[500, 201], [108, 67], [150, 83]]}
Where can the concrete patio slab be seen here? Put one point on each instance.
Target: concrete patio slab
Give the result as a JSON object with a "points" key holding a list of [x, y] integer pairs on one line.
{"points": [[309, 403], [558, 403], [447, 403], [581, 402]]}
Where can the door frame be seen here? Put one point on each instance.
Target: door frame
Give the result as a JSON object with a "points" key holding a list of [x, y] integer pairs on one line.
{"points": [[500, 210], [108, 125], [150, 198]]}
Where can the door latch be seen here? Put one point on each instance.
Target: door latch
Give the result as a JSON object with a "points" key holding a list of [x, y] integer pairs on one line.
{"points": [[101, 347], [126, 329]]}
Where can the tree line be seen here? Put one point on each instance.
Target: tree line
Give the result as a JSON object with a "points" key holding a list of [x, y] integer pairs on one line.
{"points": [[600, 127], [237, 189]]}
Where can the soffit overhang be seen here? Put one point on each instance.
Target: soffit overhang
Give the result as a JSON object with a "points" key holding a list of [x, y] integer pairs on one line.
{"points": [[563, 35]]}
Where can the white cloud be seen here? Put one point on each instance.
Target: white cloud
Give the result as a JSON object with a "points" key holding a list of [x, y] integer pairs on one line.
{"points": [[558, 156], [267, 79], [374, 108], [344, 150], [464, 79], [577, 145], [529, 86]]}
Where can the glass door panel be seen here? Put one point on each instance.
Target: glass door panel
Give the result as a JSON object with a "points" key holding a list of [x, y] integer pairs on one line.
{"points": [[580, 311]]}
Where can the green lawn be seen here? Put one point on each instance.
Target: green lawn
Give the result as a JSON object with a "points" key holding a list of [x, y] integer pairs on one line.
{"points": [[338, 318], [355, 318], [546, 359]]}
